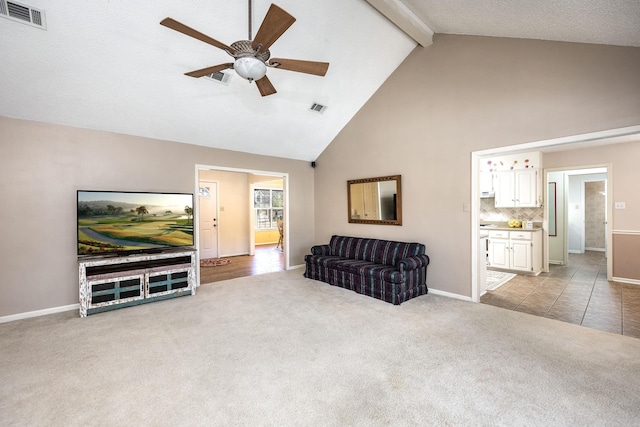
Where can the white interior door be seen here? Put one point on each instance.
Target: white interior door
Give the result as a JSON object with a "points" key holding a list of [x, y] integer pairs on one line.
{"points": [[208, 219]]}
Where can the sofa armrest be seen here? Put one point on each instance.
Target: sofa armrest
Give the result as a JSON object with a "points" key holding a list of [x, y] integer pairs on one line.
{"points": [[321, 250], [413, 262]]}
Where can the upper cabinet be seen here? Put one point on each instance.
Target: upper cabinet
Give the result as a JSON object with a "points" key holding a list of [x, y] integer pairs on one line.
{"points": [[486, 184], [516, 188]]}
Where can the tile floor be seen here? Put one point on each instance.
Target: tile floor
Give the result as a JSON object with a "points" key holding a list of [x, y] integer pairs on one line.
{"points": [[576, 293]]}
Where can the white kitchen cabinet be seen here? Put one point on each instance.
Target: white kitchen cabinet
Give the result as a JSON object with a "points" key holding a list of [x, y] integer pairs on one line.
{"points": [[516, 188], [516, 250], [486, 184]]}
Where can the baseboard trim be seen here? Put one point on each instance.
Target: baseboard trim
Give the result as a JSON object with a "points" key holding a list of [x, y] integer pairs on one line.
{"points": [[449, 295], [623, 280], [38, 313]]}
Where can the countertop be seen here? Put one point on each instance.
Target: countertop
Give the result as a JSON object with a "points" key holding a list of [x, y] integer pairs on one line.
{"points": [[504, 226]]}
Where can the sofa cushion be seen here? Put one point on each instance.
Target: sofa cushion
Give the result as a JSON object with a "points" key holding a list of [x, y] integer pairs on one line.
{"points": [[373, 250], [368, 269], [326, 261]]}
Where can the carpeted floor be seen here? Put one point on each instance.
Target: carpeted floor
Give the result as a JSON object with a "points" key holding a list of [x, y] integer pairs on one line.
{"points": [[281, 350]]}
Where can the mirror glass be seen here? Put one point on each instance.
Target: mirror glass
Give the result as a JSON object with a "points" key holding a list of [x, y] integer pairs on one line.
{"points": [[375, 200]]}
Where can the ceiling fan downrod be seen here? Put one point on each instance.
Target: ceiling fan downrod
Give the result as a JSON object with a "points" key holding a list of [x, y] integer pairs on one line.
{"points": [[250, 35]]}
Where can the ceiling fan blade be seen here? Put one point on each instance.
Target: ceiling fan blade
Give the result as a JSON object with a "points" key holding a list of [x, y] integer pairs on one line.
{"points": [[181, 28], [309, 67], [209, 70], [265, 87], [275, 23]]}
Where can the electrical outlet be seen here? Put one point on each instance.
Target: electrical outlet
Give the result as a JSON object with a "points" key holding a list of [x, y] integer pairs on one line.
{"points": [[620, 205]]}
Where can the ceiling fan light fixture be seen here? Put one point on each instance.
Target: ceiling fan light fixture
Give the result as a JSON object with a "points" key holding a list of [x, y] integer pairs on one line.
{"points": [[250, 68]]}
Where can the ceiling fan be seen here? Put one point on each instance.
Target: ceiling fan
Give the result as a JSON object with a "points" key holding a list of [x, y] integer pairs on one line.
{"points": [[251, 57]]}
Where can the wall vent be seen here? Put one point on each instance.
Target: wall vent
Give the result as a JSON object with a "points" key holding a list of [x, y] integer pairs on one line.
{"points": [[318, 108], [219, 77], [22, 13]]}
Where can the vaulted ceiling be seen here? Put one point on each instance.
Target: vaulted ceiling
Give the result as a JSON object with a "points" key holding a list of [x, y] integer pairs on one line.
{"points": [[110, 65]]}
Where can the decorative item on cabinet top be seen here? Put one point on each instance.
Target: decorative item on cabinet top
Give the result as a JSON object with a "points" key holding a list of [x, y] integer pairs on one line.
{"points": [[506, 162]]}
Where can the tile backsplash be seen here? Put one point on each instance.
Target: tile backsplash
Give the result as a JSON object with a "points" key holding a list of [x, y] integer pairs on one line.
{"points": [[488, 212]]}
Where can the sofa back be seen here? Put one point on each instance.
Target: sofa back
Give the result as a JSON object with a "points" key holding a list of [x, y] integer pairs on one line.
{"points": [[374, 250]]}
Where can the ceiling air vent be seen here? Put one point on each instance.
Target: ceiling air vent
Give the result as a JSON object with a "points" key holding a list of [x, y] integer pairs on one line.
{"points": [[318, 108], [22, 13], [219, 77]]}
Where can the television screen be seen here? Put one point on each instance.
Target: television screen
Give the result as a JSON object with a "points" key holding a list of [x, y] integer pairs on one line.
{"points": [[125, 222]]}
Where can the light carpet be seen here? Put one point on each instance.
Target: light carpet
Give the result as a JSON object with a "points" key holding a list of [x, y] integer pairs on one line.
{"points": [[281, 350], [495, 279]]}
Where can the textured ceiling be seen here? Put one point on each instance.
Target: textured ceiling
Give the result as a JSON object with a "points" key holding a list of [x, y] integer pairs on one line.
{"points": [[109, 65], [612, 22]]}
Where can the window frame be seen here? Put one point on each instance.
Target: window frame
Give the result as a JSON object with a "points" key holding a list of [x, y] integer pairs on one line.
{"points": [[271, 209]]}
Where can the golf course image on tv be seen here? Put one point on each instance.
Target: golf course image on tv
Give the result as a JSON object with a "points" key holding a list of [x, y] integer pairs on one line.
{"points": [[123, 222]]}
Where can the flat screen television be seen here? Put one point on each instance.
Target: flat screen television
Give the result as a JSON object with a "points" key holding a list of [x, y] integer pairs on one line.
{"points": [[124, 222]]}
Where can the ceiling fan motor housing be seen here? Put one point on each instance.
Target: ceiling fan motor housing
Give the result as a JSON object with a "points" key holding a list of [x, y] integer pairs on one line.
{"points": [[249, 64]]}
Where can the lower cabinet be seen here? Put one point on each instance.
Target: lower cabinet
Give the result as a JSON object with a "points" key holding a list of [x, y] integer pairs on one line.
{"points": [[516, 250], [115, 282]]}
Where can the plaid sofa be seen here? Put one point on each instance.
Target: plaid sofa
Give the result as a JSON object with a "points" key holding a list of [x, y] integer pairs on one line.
{"points": [[391, 271]]}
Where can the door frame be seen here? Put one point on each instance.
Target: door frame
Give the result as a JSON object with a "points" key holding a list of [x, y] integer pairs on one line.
{"points": [[285, 185], [579, 170], [567, 143], [583, 195]]}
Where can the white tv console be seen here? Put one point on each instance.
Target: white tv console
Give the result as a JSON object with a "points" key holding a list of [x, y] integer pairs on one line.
{"points": [[111, 282]]}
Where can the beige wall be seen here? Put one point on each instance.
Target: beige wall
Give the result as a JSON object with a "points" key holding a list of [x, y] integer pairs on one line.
{"points": [[459, 95], [42, 166], [625, 175]]}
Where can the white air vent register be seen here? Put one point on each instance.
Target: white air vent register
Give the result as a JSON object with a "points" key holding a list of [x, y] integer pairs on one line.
{"points": [[22, 13]]}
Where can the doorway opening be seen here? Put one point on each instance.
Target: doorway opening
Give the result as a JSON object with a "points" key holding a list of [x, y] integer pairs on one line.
{"points": [[231, 228], [565, 143], [578, 208]]}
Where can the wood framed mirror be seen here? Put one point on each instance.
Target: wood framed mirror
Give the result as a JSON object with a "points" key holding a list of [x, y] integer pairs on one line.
{"points": [[375, 200]]}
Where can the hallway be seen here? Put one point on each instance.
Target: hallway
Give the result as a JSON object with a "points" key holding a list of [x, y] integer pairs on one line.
{"points": [[576, 293]]}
